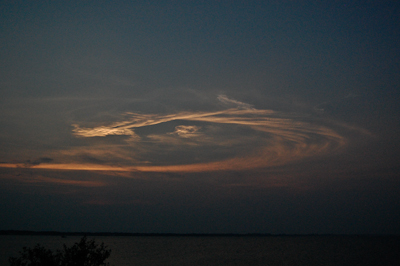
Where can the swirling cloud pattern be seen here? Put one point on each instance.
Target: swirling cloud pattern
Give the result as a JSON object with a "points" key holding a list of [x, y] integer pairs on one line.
{"points": [[237, 138], [240, 137]]}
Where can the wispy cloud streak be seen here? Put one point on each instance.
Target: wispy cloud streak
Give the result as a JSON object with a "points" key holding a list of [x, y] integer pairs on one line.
{"points": [[224, 99]]}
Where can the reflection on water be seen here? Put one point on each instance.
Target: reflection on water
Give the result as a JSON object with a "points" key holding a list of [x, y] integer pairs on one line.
{"points": [[235, 250]]}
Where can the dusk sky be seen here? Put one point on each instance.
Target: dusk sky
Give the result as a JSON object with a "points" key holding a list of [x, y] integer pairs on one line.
{"points": [[232, 116]]}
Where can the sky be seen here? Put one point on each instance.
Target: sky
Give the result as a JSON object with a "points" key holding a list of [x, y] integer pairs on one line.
{"points": [[276, 117]]}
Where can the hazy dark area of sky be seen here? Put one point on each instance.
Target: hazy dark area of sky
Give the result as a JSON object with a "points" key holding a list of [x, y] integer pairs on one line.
{"points": [[329, 71]]}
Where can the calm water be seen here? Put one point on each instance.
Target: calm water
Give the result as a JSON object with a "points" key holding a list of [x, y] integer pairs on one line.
{"points": [[246, 250]]}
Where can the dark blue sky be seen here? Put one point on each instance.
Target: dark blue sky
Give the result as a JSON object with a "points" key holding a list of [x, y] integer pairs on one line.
{"points": [[200, 116]]}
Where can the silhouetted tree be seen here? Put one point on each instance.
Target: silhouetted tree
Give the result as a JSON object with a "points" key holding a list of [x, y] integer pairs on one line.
{"points": [[84, 253]]}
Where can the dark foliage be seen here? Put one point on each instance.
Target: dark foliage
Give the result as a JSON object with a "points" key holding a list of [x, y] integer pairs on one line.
{"points": [[84, 253]]}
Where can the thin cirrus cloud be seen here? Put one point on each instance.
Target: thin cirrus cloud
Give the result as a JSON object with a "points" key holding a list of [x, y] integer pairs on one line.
{"points": [[224, 99], [242, 138], [81, 183]]}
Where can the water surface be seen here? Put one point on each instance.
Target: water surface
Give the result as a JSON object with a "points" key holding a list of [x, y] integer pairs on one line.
{"points": [[227, 250]]}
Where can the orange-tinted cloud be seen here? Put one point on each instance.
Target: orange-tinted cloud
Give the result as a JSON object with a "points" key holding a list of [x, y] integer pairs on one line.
{"points": [[270, 139]]}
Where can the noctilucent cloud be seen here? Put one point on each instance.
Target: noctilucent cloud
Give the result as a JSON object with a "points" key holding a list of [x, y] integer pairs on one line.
{"points": [[200, 116]]}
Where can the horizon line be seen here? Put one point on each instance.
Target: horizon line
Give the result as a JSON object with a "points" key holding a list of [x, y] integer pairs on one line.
{"points": [[85, 233]]}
